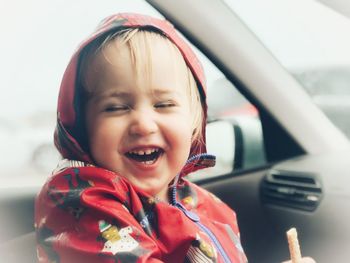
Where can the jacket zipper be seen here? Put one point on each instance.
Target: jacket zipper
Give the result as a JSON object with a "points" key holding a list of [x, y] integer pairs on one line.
{"points": [[215, 241], [195, 218]]}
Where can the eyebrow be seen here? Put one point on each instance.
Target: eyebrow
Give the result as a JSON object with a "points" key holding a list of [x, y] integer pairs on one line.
{"points": [[128, 95], [159, 92], [114, 94]]}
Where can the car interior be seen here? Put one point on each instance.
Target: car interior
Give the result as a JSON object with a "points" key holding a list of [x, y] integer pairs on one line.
{"points": [[303, 180]]}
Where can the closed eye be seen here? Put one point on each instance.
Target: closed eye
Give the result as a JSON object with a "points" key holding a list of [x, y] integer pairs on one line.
{"points": [[165, 104], [117, 108]]}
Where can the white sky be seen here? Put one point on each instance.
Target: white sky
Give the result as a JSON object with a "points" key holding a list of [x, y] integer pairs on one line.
{"points": [[300, 33]]}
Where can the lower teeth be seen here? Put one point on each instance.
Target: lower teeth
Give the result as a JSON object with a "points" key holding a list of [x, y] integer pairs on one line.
{"points": [[149, 162]]}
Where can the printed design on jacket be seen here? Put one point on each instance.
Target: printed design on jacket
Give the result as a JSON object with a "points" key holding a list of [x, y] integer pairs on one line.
{"points": [[44, 235], [118, 243], [69, 200], [188, 196], [201, 252], [116, 240]]}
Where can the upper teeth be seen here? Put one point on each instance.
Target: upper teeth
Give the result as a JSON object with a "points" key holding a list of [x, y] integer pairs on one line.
{"points": [[143, 152]]}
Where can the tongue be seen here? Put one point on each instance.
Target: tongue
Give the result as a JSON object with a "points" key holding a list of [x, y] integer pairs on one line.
{"points": [[143, 158]]}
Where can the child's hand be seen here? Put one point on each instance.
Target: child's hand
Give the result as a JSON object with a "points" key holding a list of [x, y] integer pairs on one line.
{"points": [[303, 260]]}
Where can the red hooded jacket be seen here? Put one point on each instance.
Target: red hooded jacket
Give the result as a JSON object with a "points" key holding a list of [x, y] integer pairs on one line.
{"points": [[86, 213]]}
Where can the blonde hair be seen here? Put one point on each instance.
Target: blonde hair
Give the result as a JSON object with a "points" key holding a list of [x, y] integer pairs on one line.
{"points": [[140, 44]]}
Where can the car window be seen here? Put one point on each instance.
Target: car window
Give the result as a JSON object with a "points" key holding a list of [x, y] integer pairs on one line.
{"points": [[312, 42], [234, 132]]}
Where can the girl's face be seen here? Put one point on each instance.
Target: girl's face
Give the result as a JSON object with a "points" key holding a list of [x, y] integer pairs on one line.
{"points": [[139, 125]]}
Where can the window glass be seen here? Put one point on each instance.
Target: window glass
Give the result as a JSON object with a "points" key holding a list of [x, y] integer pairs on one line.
{"points": [[234, 132], [312, 42]]}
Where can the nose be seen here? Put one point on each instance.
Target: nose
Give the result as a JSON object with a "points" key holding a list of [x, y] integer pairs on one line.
{"points": [[142, 124]]}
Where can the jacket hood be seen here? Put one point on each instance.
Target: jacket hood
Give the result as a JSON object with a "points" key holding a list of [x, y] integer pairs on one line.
{"points": [[68, 128]]}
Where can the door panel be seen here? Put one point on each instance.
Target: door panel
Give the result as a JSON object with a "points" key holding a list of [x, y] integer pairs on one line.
{"points": [[324, 233]]}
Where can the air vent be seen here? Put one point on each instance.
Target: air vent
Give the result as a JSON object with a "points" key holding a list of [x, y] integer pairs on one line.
{"points": [[292, 189]]}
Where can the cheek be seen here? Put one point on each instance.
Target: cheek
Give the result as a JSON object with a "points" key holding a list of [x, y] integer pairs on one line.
{"points": [[103, 136], [183, 147], [180, 136]]}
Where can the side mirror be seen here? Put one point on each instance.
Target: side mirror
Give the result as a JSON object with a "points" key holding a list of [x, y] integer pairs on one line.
{"points": [[237, 143], [249, 142]]}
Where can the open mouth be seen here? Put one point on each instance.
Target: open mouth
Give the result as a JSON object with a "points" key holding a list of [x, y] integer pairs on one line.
{"points": [[149, 156]]}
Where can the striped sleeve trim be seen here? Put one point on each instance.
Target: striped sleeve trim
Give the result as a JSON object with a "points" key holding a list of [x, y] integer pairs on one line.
{"points": [[195, 255], [65, 163]]}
